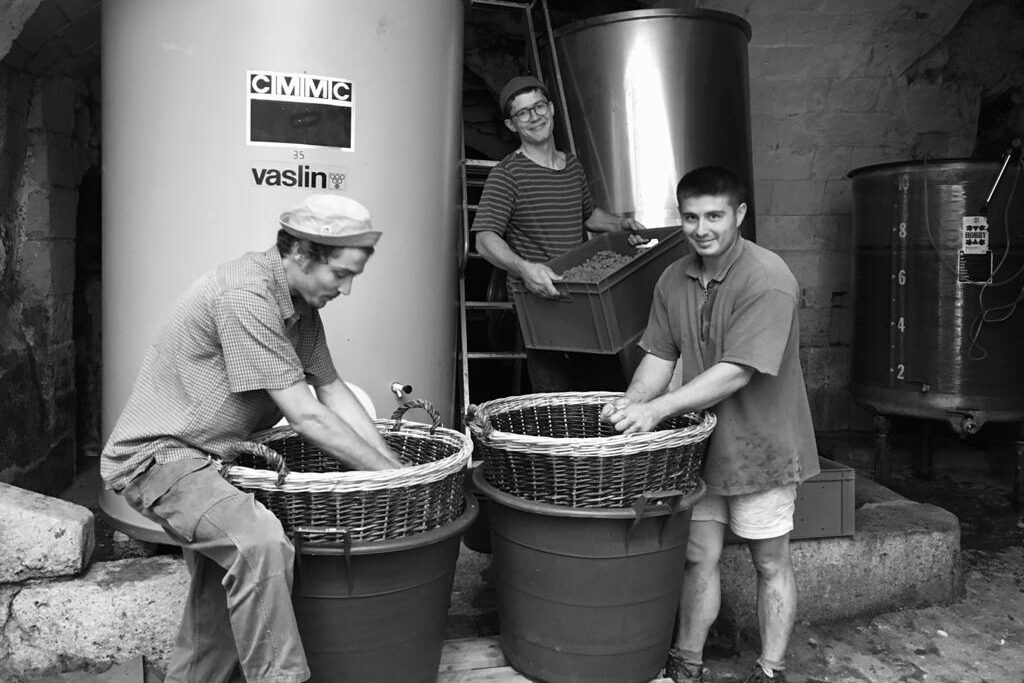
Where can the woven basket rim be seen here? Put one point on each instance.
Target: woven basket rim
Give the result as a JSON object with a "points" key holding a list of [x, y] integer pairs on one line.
{"points": [[591, 446], [358, 480]]}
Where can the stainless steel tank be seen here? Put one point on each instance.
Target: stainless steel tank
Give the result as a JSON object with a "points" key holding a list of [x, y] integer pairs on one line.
{"points": [[218, 115], [652, 94], [939, 277]]}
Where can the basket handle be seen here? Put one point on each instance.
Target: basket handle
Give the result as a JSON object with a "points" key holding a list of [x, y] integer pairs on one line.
{"points": [[647, 504], [268, 454], [406, 406], [345, 550]]}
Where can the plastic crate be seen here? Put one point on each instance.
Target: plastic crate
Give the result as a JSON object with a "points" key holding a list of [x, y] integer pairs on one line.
{"points": [[604, 316], [824, 504]]}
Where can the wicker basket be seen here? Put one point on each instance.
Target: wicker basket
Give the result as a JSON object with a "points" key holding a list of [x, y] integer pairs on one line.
{"points": [[553, 448], [309, 492]]}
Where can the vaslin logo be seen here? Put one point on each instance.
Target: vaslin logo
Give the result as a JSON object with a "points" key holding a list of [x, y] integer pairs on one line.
{"points": [[299, 175]]}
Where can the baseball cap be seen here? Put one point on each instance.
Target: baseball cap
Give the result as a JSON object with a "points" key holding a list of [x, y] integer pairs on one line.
{"points": [[332, 220], [517, 85]]}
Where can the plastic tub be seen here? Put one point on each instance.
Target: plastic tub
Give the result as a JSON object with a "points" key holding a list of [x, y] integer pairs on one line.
{"points": [[376, 611], [588, 594]]}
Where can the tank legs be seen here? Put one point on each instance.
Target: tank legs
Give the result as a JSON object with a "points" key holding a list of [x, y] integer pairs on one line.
{"points": [[1017, 497], [883, 464], [924, 458]]}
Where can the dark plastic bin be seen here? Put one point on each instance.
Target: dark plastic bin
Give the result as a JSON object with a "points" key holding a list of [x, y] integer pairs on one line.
{"points": [[376, 611], [605, 316], [587, 595]]}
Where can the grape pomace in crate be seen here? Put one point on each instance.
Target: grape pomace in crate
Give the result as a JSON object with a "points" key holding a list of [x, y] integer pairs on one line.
{"points": [[606, 315]]}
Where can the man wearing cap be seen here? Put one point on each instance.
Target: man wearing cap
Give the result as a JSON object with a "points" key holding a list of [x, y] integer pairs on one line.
{"points": [[240, 350], [535, 205]]}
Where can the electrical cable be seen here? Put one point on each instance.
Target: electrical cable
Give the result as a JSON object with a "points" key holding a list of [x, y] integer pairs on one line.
{"points": [[1003, 312]]}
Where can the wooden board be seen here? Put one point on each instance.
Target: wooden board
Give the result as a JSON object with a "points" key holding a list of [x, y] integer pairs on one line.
{"points": [[480, 660]]}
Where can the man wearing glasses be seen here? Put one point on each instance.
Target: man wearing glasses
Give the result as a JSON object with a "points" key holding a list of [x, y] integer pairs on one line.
{"points": [[536, 204]]}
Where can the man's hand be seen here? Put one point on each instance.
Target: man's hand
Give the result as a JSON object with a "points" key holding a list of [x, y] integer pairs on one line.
{"points": [[633, 227], [539, 279], [628, 416]]}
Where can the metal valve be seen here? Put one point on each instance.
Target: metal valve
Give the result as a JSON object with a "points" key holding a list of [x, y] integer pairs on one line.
{"points": [[400, 390]]}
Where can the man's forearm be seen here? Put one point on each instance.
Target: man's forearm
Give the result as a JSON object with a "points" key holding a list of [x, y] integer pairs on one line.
{"points": [[705, 390], [336, 438], [497, 252]]}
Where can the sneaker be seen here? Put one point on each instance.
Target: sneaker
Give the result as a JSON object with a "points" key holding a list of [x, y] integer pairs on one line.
{"points": [[759, 676], [681, 672]]}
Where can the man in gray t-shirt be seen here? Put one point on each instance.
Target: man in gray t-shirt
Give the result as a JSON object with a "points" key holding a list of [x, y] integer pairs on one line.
{"points": [[727, 313]]}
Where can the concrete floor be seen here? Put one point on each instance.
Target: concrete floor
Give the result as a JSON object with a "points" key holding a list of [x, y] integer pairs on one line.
{"points": [[978, 639]]}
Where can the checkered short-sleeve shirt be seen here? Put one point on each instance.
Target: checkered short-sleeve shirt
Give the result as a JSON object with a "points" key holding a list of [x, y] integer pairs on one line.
{"points": [[203, 384]]}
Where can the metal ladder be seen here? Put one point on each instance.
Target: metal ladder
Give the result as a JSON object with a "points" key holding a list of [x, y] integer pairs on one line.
{"points": [[473, 174]]}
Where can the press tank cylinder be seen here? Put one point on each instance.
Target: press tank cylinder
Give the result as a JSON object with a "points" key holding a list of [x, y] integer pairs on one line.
{"points": [[219, 115], [939, 277], [652, 94]]}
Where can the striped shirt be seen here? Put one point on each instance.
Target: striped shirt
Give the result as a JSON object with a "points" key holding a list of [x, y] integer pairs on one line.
{"points": [[538, 211], [202, 387]]}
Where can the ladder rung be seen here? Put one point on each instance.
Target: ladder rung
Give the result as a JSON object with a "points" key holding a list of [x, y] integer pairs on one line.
{"points": [[496, 355], [502, 3], [480, 163], [488, 305]]}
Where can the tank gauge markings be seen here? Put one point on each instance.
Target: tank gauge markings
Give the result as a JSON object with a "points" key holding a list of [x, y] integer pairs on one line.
{"points": [[898, 276]]}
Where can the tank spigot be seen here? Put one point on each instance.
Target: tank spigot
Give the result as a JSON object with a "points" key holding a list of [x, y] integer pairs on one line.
{"points": [[968, 425], [400, 390]]}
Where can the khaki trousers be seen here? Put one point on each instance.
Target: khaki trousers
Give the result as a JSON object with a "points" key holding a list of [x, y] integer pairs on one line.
{"points": [[238, 623]]}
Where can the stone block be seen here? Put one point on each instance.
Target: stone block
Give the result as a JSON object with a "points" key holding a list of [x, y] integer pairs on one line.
{"points": [[37, 270], [42, 537], [58, 101], [61, 162], [12, 21], [796, 23], [903, 555], [784, 163], [762, 193], [115, 612], [37, 160], [851, 129], [814, 326], [838, 199], [795, 233], [787, 96], [784, 131], [939, 107], [797, 197], [63, 213], [836, 60], [831, 162], [853, 94], [825, 269]]}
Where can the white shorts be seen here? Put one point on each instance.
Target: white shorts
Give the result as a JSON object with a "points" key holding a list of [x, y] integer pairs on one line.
{"points": [[754, 516]]}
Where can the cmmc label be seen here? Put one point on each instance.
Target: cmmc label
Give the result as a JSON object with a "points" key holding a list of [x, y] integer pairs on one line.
{"points": [[298, 110]]}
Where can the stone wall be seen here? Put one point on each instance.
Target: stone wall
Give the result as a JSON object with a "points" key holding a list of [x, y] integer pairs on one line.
{"points": [[48, 139], [831, 90]]}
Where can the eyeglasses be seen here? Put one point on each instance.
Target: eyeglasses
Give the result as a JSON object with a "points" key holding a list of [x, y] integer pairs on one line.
{"points": [[540, 109]]}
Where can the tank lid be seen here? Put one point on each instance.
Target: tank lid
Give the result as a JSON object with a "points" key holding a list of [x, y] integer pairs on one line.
{"points": [[914, 164], [710, 14]]}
